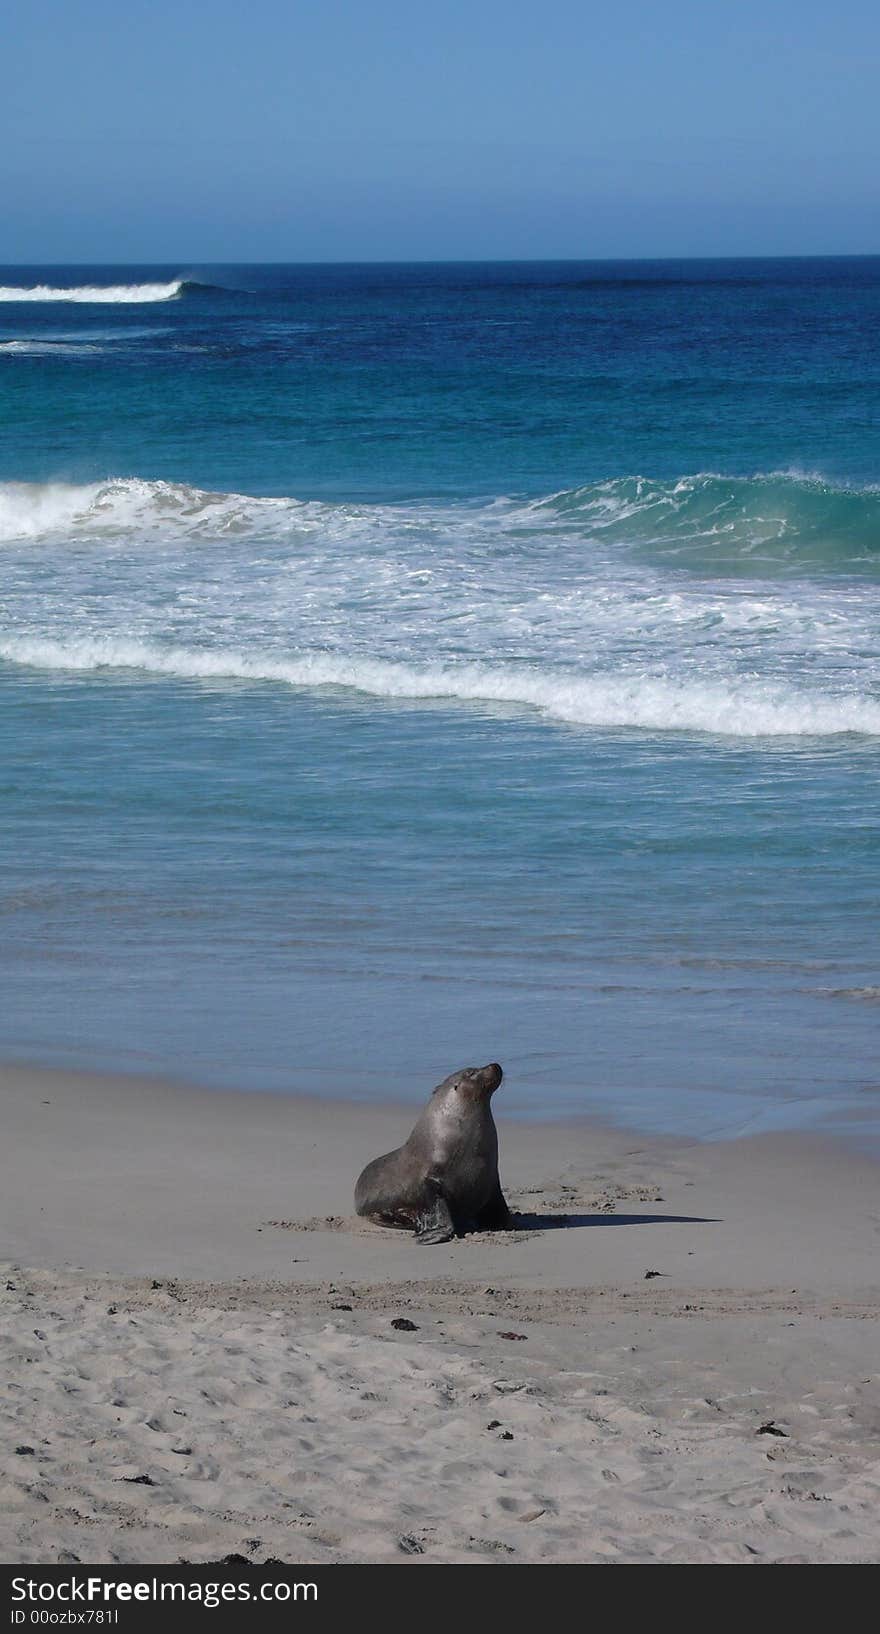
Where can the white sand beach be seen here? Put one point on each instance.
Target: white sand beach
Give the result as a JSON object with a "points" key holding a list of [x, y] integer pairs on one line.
{"points": [[673, 1359]]}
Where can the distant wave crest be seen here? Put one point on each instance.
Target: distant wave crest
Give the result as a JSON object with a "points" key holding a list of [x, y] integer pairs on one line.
{"points": [[96, 294], [32, 347], [651, 703]]}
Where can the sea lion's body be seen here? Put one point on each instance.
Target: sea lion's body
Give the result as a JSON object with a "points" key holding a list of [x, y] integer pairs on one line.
{"points": [[444, 1180]]}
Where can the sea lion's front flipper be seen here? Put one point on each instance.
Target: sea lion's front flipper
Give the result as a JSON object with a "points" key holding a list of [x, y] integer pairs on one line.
{"points": [[434, 1223], [495, 1215]]}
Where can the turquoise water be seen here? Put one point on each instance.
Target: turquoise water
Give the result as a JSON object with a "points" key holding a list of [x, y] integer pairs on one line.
{"points": [[404, 666]]}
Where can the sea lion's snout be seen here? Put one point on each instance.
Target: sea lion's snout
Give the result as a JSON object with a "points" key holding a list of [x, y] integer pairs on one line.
{"points": [[488, 1078]]}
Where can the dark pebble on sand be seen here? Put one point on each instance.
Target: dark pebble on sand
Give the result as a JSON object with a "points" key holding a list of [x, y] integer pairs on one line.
{"points": [[410, 1545], [139, 1480], [508, 1335], [26, 1452], [404, 1325], [340, 1307], [770, 1428]]}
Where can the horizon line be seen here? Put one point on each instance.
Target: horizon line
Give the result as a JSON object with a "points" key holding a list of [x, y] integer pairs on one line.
{"points": [[468, 261]]}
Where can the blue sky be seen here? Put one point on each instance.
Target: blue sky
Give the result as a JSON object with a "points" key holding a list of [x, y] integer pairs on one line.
{"points": [[386, 129]]}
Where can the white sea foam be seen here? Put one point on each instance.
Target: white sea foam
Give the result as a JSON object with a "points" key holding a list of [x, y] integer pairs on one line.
{"points": [[48, 348], [607, 700], [94, 294], [129, 505], [30, 510], [503, 603]]}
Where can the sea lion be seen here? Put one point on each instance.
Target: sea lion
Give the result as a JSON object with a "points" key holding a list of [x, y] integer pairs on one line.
{"points": [[444, 1181]]}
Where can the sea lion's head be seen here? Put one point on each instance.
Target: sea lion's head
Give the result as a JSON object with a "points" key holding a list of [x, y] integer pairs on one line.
{"points": [[472, 1083]]}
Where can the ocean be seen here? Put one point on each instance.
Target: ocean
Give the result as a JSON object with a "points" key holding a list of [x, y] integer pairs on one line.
{"points": [[410, 666]]}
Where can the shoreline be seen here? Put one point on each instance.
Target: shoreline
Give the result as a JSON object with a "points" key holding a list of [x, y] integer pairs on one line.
{"points": [[188, 1299], [853, 1126], [294, 1158]]}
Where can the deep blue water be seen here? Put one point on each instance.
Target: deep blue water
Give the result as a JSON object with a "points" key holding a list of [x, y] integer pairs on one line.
{"points": [[404, 666]]}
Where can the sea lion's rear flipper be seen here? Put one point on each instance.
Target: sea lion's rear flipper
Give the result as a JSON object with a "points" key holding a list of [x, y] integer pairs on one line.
{"points": [[434, 1223], [495, 1215]]}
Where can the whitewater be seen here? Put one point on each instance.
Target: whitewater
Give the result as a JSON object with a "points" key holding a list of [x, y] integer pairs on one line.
{"points": [[649, 702], [619, 605], [94, 294]]}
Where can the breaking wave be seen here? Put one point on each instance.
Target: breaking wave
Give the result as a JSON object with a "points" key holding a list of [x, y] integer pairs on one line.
{"points": [[574, 606], [651, 703], [98, 294], [30, 510], [762, 526], [767, 523]]}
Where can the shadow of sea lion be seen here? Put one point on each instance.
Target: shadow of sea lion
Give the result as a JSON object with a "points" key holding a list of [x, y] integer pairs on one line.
{"points": [[562, 1222]]}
